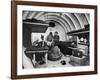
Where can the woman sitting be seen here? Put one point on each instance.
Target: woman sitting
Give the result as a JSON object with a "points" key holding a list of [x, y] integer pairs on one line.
{"points": [[42, 45], [54, 53]]}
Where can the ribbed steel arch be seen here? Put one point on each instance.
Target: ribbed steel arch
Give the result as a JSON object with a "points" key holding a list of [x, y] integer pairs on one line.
{"points": [[59, 21], [59, 16], [41, 14], [63, 20], [34, 13], [49, 20], [25, 13], [82, 19], [87, 18], [29, 13], [74, 20], [70, 21]]}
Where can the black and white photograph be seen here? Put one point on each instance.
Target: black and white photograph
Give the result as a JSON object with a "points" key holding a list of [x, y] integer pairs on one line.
{"points": [[55, 39], [50, 39]]}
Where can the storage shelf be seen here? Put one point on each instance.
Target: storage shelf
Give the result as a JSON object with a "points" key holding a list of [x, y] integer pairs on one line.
{"points": [[82, 43], [79, 32]]}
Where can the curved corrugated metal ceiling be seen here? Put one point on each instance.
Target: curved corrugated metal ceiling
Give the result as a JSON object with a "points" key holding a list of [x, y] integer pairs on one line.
{"points": [[69, 21]]}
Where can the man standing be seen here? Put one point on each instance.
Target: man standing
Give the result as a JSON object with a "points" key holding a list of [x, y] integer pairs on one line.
{"points": [[49, 39], [56, 37]]}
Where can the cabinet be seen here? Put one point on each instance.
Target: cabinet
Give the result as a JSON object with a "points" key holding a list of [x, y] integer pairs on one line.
{"points": [[81, 52]]}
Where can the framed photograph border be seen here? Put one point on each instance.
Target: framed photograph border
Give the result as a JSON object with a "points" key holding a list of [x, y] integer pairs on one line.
{"points": [[14, 38]]}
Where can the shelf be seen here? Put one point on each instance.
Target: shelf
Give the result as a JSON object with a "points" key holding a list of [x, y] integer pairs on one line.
{"points": [[82, 43], [73, 48], [41, 24], [81, 31]]}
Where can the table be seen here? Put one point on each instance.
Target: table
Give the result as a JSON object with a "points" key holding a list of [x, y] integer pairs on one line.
{"points": [[38, 52]]}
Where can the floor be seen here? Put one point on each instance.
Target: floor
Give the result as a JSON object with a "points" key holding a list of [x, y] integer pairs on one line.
{"points": [[55, 63], [27, 63]]}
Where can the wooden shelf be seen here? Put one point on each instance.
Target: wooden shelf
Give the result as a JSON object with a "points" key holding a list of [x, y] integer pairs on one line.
{"points": [[37, 23], [79, 32], [82, 43], [73, 48]]}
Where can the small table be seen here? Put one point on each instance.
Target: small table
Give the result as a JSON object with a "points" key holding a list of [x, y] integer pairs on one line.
{"points": [[38, 52]]}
